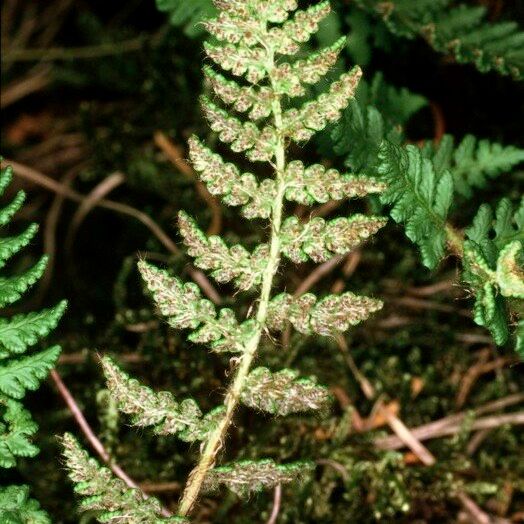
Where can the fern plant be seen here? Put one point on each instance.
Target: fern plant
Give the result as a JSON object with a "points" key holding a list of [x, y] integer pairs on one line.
{"points": [[422, 186], [255, 37], [461, 31], [20, 371]]}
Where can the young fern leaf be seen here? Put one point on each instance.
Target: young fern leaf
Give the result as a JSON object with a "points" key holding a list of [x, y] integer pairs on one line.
{"points": [[159, 410], [19, 371], [104, 493], [493, 266], [421, 198]]}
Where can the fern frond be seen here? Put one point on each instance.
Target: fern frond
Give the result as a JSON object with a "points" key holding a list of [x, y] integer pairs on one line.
{"points": [[12, 288], [19, 374], [102, 492], [7, 212], [259, 145], [16, 507], [287, 38], [490, 264], [9, 246], [472, 162], [240, 60], [378, 112], [421, 198], [320, 240], [160, 410], [301, 124], [283, 393], [227, 263], [224, 179], [26, 373], [243, 99], [16, 429], [6, 176], [249, 476], [331, 315], [461, 31], [318, 184], [289, 78], [254, 35], [185, 308], [24, 330]]}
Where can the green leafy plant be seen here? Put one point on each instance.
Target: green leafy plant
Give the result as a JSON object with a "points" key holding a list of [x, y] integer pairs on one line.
{"points": [[255, 38], [19, 371], [421, 191], [461, 31]]}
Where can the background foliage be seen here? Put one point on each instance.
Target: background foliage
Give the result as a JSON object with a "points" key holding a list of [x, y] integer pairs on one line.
{"points": [[102, 97]]}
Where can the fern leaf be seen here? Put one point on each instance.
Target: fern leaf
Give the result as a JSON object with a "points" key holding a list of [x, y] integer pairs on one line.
{"points": [[301, 124], [223, 179], [7, 212], [185, 309], [320, 240], [159, 410], [12, 288], [6, 175], [490, 264], [286, 39], [16, 429], [243, 99], [328, 316], [9, 246], [22, 331], [461, 31], [107, 494], [26, 373], [234, 263], [420, 197], [318, 184], [240, 60], [288, 78], [282, 393], [248, 476], [16, 507], [247, 137], [473, 162]]}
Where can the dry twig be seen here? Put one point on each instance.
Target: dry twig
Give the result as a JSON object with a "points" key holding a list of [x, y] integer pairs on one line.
{"points": [[39, 178]]}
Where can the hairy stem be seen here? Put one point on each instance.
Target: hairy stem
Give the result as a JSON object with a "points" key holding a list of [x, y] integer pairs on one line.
{"points": [[216, 438], [455, 241]]}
